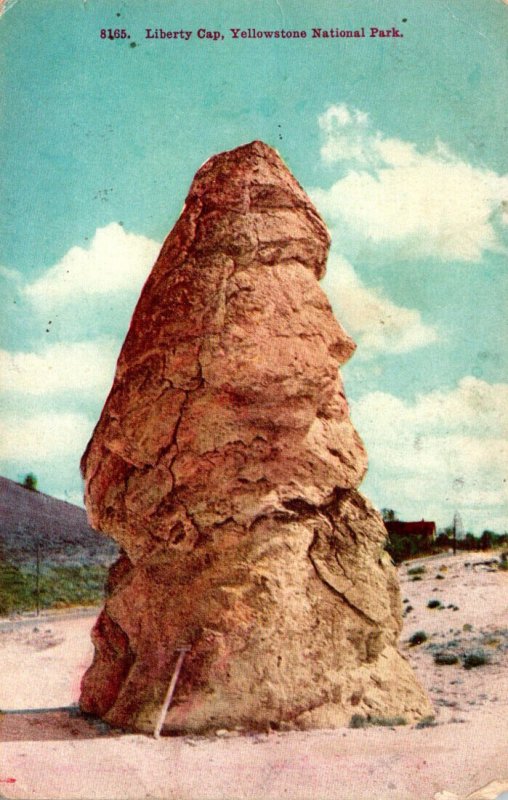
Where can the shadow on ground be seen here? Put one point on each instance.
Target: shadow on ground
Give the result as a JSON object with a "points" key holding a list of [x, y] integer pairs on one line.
{"points": [[39, 724]]}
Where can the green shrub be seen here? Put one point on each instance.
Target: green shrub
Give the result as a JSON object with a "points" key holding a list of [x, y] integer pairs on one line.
{"points": [[446, 658], [67, 586], [440, 577], [59, 587], [418, 638], [359, 721], [15, 590], [388, 722], [401, 548], [434, 604], [475, 658], [426, 722], [416, 578], [416, 571], [491, 641]]}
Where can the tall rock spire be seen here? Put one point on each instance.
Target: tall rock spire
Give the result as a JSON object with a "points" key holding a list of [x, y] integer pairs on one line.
{"points": [[225, 464]]}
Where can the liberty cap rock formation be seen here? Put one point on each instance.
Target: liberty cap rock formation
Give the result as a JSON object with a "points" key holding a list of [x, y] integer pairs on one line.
{"points": [[225, 465]]}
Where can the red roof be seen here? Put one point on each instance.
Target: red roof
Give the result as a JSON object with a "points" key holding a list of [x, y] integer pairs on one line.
{"points": [[422, 528]]}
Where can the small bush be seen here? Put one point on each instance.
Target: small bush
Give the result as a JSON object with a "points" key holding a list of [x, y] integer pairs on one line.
{"points": [[475, 658], [388, 722], [416, 578], [416, 571], [444, 659], [426, 722], [440, 577], [359, 721], [418, 638], [467, 628], [407, 610], [434, 604], [491, 641]]}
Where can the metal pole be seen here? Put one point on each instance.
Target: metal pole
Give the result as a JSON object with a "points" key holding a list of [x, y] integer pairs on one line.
{"points": [[171, 690]]}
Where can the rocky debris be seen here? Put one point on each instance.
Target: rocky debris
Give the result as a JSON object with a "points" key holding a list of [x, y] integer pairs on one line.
{"points": [[225, 464]]}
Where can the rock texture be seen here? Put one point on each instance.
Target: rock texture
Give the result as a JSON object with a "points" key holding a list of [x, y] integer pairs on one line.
{"points": [[225, 464]]}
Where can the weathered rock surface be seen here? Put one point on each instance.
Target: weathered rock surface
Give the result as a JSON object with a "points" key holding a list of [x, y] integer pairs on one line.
{"points": [[225, 464]]}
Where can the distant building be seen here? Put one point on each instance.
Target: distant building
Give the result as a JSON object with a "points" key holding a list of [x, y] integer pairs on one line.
{"points": [[423, 533]]}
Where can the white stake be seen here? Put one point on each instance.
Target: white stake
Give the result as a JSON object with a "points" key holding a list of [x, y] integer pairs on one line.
{"points": [[171, 690]]}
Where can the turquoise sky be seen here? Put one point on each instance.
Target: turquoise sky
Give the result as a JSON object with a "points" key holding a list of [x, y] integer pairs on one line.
{"points": [[400, 142]]}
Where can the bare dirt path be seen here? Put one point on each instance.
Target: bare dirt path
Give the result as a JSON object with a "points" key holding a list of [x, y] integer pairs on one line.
{"points": [[48, 751]]}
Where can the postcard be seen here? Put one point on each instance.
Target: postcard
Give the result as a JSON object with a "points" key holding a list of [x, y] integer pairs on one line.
{"points": [[254, 322]]}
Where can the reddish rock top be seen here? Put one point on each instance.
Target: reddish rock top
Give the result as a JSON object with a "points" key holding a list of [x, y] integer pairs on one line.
{"points": [[227, 401]]}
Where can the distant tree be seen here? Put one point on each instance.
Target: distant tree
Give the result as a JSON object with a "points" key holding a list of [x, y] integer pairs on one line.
{"points": [[30, 482], [397, 549], [487, 539], [443, 539], [388, 514], [402, 547], [470, 542]]}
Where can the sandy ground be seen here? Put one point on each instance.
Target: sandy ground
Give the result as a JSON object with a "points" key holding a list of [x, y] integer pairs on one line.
{"points": [[48, 751]]}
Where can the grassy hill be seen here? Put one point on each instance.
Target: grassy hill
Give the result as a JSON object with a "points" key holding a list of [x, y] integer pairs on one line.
{"points": [[62, 529], [72, 558]]}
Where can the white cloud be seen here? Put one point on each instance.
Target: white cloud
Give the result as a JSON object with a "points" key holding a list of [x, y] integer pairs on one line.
{"points": [[115, 261], [447, 450], [376, 323], [346, 135], [427, 204], [473, 406], [88, 291], [43, 437], [79, 367]]}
